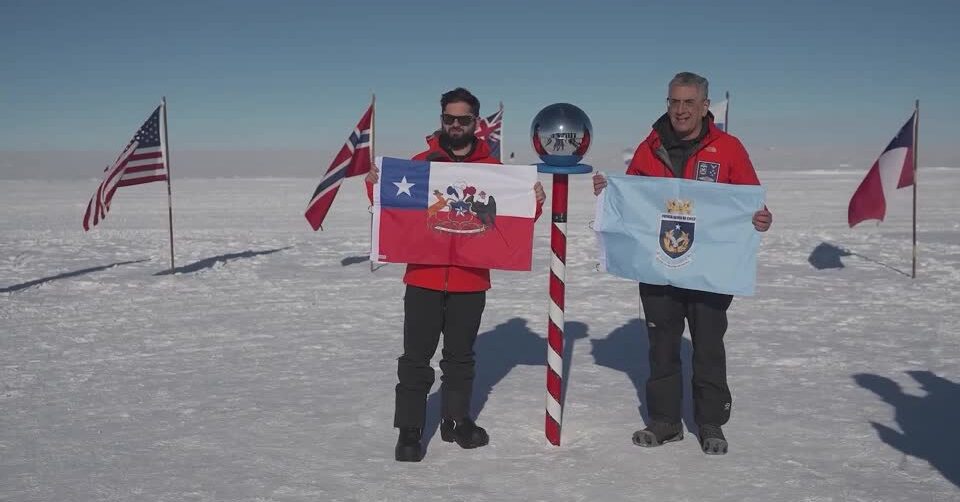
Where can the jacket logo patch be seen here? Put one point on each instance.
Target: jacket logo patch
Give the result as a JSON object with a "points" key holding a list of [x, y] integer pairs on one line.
{"points": [[707, 171]]}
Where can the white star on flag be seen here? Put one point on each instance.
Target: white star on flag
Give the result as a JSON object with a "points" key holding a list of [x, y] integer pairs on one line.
{"points": [[403, 186]]}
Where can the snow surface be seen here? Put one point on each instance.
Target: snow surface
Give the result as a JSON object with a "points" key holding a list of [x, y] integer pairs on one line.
{"points": [[263, 370]]}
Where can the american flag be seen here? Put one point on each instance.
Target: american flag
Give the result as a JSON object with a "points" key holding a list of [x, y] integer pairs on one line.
{"points": [[488, 129], [353, 160], [142, 161]]}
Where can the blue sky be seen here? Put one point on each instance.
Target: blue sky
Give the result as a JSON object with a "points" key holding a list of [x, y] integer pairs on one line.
{"points": [[827, 82]]}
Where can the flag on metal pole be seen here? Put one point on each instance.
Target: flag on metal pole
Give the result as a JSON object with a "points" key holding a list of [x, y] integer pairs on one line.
{"points": [[352, 160], [720, 111], [894, 168], [143, 160]]}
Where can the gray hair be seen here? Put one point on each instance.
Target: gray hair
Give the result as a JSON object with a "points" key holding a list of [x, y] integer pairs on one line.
{"points": [[687, 78]]}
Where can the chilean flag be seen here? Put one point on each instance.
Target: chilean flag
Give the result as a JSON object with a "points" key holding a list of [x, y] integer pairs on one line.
{"points": [[894, 169], [449, 213]]}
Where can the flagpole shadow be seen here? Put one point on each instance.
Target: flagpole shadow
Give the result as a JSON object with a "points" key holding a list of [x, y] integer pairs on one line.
{"points": [[214, 260], [827, 256], [65, 275]]}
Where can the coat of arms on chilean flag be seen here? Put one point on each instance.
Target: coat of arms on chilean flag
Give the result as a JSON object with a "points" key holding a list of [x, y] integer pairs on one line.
{"points": [[448, 213]]}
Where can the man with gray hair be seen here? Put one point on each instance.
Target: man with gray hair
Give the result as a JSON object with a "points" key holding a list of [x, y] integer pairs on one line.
{"points": [[685, 143]]}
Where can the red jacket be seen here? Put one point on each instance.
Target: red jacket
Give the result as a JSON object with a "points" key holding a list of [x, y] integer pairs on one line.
{"points": [[720, 157], [442, 277]]}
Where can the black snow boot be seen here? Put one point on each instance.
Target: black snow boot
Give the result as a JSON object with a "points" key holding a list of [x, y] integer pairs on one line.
{"points": [[712, 440], [464, 432], [658, 433], [409, 448]]}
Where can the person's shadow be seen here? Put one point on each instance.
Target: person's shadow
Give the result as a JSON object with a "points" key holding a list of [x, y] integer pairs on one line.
{"points": [[498, 352], [927, 421], [626, 349]]}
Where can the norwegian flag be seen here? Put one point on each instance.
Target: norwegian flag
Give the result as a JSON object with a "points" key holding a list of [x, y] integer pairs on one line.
{"points": [[892, 170], [353, 160], [488, 129], [143, 160]]}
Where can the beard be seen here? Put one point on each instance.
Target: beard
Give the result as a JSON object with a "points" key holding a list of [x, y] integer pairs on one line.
{"points": [[456, 143]]}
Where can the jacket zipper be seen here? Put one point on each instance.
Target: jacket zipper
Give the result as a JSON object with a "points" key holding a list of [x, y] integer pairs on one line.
{"points": [[665, 158]]}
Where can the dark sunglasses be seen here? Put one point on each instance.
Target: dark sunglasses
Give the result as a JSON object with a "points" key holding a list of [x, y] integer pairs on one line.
{"points": [[464, 120]]}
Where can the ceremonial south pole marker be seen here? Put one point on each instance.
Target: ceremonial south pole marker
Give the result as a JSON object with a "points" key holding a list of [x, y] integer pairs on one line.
{"points": [[561, 135]]}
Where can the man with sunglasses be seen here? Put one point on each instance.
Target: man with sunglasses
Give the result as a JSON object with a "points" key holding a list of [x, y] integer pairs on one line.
{"points": [[685, 143], [443, 299]]}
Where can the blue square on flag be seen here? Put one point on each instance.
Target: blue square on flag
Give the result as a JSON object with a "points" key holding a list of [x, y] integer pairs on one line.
{"points": [[406, 187]]}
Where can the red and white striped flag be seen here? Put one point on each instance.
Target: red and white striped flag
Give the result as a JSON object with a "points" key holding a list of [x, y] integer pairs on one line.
{"points": [[142, 161], [353, 160]]}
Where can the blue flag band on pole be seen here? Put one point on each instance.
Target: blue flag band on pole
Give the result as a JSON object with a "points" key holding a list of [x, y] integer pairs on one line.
{"points": [[685, 233]]}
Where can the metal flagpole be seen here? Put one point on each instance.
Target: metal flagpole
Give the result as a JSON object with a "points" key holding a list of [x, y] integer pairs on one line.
{"points": [[166, 158], [373, 158], [726, 112], [916, 168], [502, 136]]}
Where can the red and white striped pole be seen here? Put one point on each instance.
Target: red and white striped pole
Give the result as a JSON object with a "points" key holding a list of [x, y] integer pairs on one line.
{"points": [[558, 265], [558, 260], [560, 125]]}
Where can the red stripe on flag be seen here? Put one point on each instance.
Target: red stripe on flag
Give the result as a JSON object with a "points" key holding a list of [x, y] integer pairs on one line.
{"points": [[508, 245], [906, 173], [140, 169], [86, 216], [868, 202], [140, 181], [144, 156], [318, 209]]}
